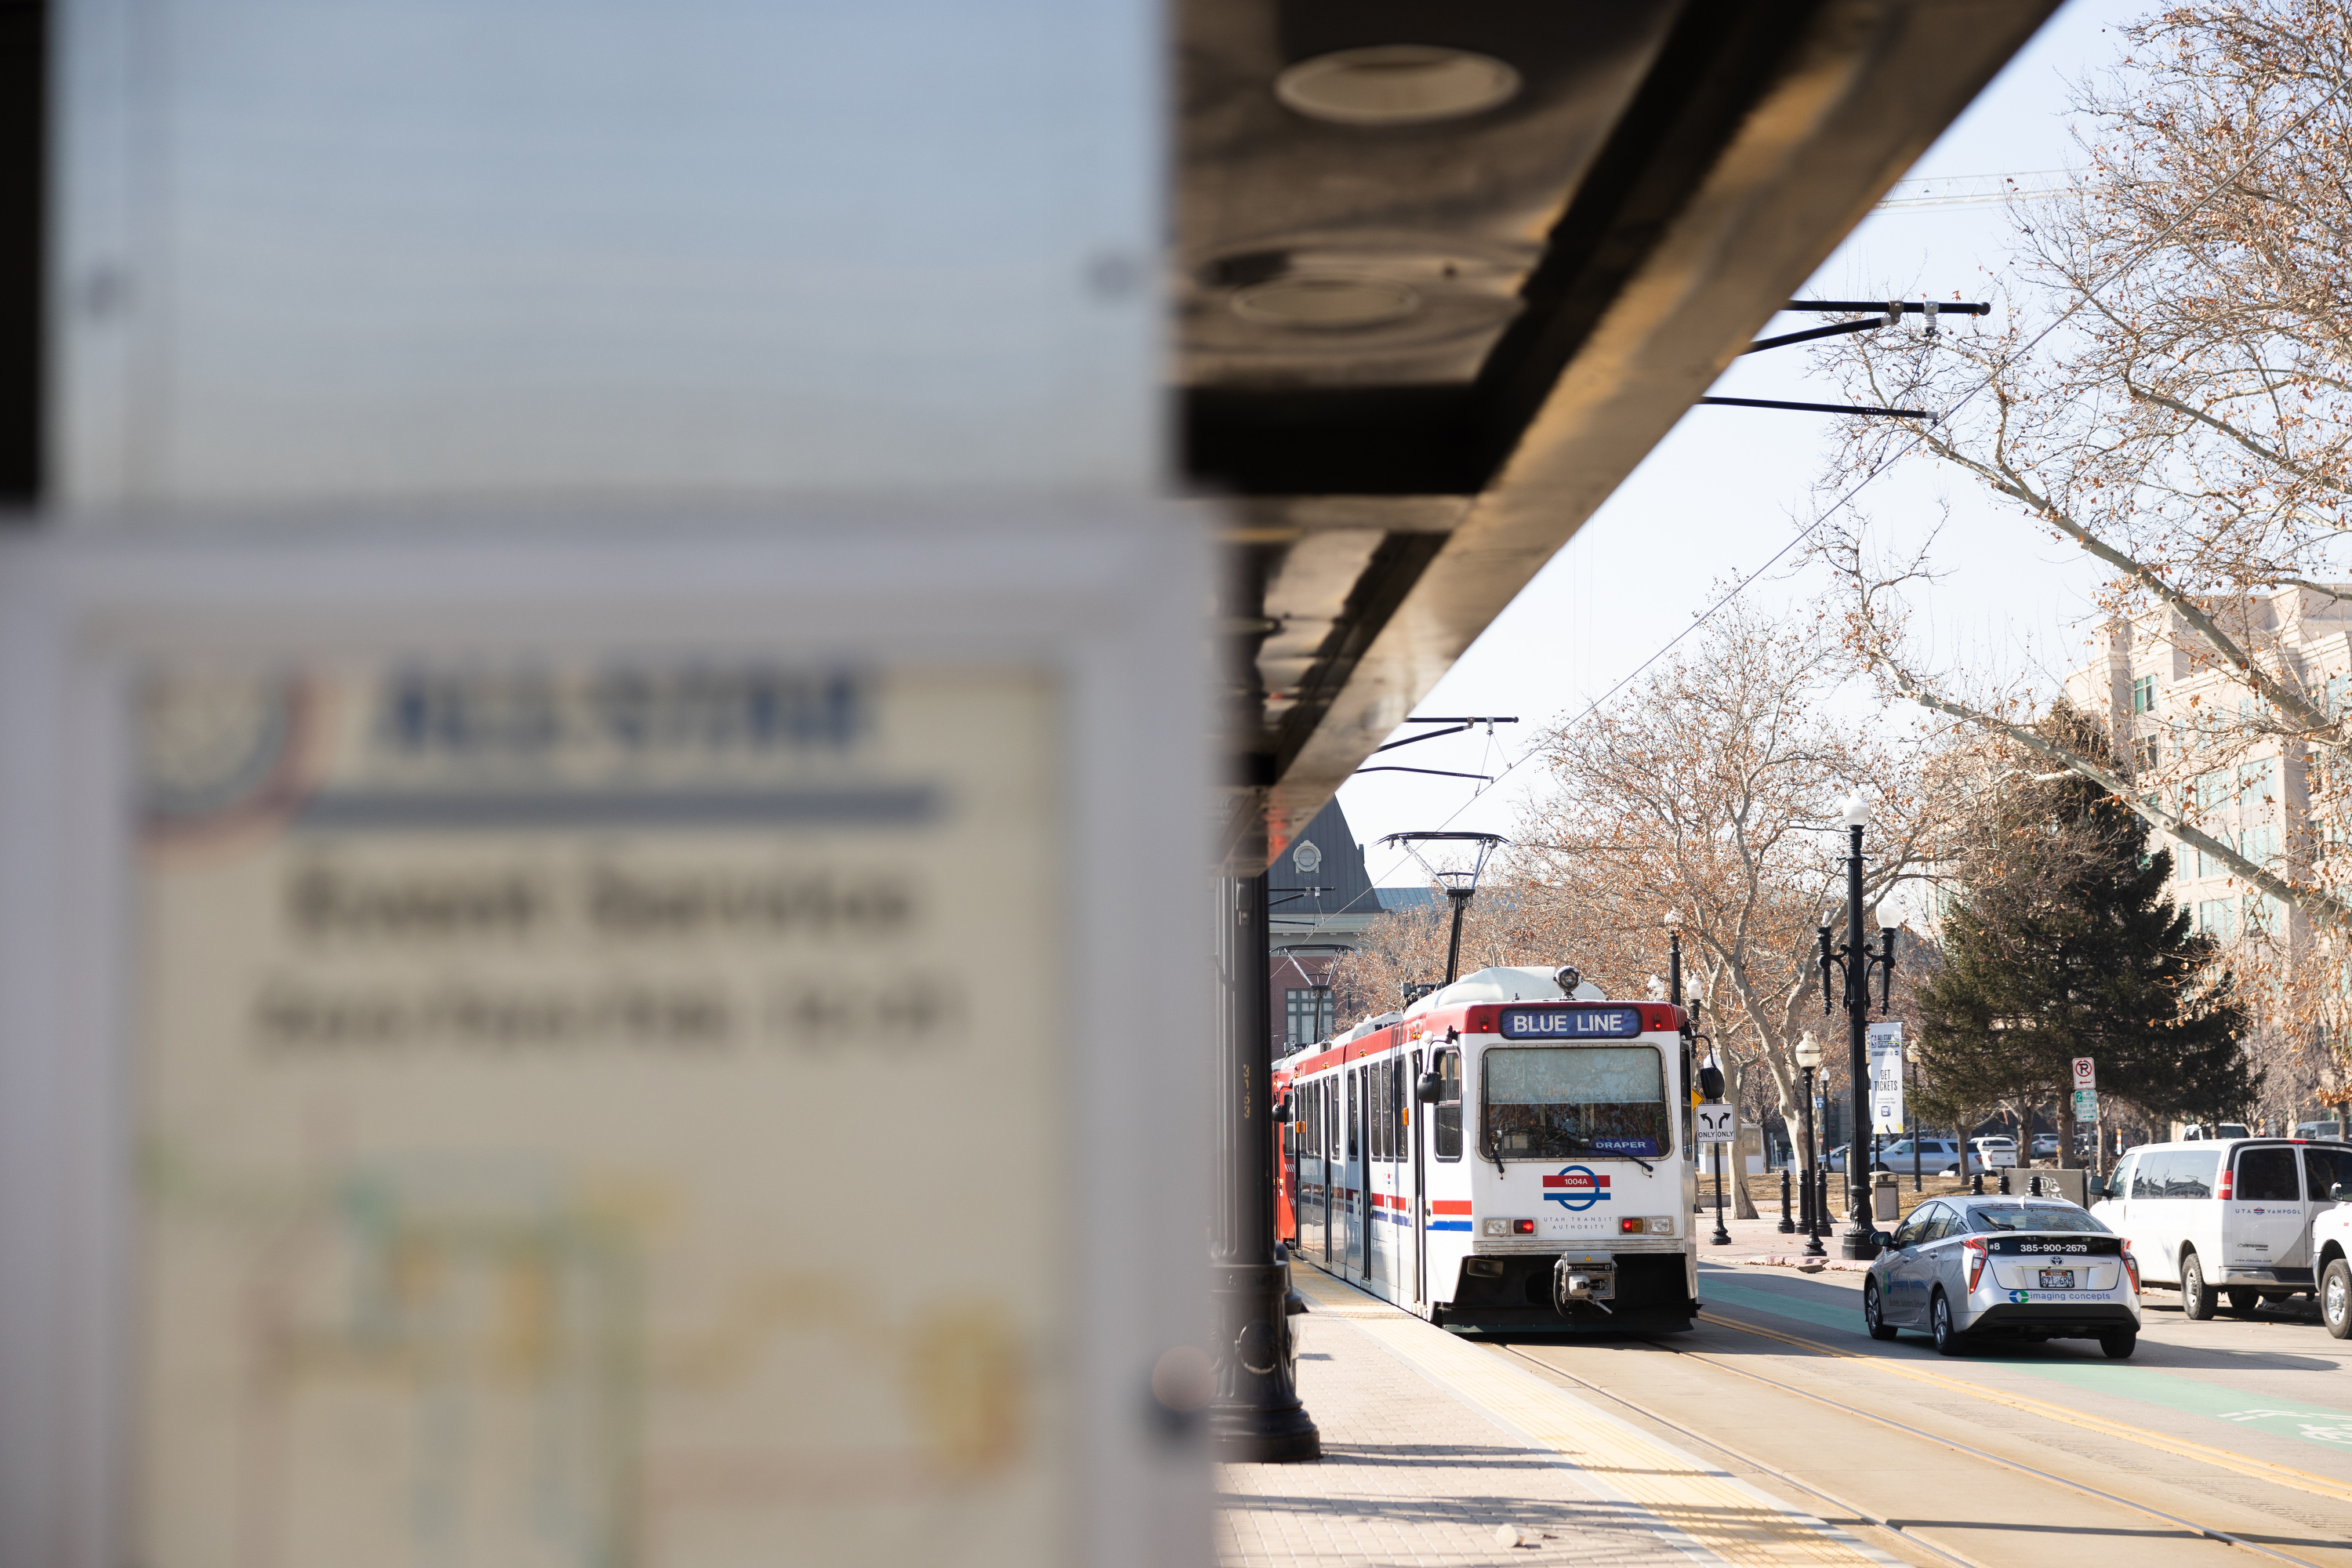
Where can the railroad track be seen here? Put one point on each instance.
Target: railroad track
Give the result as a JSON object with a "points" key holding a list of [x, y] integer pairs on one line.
{"points": [[2280, 1474]]}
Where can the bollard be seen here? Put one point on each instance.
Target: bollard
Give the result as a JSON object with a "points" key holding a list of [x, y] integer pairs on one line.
{"points": [[2034, 1187], [2004, 1180], [1975, 1185], [1788, 1226]]}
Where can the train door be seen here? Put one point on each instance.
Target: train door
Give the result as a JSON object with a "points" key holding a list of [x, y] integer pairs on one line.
{"points": [[1394, 1271], [1416, 1224], [1359, 1257], [1328, 1090]]}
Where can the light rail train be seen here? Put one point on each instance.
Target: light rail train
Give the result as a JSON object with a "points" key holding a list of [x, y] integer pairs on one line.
{"points": [[1513, 1151]]}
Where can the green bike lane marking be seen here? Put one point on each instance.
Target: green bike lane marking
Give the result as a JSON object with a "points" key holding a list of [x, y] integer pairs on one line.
{"points": [[2298, 1419]]}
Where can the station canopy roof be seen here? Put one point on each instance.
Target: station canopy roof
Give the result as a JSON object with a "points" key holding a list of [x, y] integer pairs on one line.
{"points": [[1445, 274]]}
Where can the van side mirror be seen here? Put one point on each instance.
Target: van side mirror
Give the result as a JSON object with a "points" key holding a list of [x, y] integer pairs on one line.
{"points": [[2340, 1193], [1428, 1089]]}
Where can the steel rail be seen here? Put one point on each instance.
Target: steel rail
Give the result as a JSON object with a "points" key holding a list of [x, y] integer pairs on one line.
{"points": [[1749, 1461], [2204, 1530]]}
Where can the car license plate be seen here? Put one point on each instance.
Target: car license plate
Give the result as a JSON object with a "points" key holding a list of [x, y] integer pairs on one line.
{"points": [[2057, 1279]]}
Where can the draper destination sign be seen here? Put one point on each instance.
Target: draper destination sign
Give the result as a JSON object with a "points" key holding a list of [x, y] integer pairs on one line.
{"points": [[1571, 1023]]}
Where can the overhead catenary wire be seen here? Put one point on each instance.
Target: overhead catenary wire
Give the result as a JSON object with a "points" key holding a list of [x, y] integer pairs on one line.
{"points": [[1905, 450]]}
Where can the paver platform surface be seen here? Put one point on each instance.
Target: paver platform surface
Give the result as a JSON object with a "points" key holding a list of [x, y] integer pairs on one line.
{"points": [[1430, 1444]]}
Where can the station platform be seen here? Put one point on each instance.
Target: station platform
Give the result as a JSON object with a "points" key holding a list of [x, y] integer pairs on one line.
{"points": [[1441, 1451]]}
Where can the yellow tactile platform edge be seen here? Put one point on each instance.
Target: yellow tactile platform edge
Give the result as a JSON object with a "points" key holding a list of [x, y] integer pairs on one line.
{"points": [[1720, 1514]]}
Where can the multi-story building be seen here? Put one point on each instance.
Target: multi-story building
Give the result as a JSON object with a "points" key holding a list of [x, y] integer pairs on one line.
{"points": [[2201, 734], [1320, 899]]}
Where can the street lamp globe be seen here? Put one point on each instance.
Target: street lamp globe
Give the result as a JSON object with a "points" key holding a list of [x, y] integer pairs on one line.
{"points": [[1674, 919], [1809, 1051], [1857, 810]]}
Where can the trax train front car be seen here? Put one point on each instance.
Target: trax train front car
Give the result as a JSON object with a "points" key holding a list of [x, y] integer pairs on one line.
{"points": [[1512, 1152]]}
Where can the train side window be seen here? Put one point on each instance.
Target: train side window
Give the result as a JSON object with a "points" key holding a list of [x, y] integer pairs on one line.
{"points": [[1396, 1108], [1447, 1121], [1380, 1118], [1352, 1117], [1393, 1145]]}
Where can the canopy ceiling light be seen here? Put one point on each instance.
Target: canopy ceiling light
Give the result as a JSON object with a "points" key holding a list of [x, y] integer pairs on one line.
{"points": [[1396, 84], [1326, 302]]}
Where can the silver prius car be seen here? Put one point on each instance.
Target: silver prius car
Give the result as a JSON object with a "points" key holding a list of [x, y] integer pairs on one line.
{"points": [[1963, 1268]]}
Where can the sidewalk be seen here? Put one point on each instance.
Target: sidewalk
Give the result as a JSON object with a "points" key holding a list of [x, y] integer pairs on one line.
{"points": [[1432, 1444], [1758, 1242]]}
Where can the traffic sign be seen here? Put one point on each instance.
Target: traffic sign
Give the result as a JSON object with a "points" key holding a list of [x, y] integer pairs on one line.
{"points": [[2086, 1105], [2086, 1074], [1718, 1123]]}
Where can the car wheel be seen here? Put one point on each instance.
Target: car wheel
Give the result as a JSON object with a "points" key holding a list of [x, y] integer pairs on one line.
{"points": [[1874, 1311], [2119, 1345], [2245, 1303], [2335, 1299], [1949, 1340], [2196, 1296]]}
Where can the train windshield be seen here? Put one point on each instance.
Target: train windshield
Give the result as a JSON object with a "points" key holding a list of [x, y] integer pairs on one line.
{"points": [[1554, 1102]]}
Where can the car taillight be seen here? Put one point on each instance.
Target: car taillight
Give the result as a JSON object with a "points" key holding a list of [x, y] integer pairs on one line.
{"points": [[2131, 1267], [2225, 1186], [1976, 1261]]}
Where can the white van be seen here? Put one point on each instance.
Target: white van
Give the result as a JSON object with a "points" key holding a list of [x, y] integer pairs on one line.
{"points": [[2227, 1217]]}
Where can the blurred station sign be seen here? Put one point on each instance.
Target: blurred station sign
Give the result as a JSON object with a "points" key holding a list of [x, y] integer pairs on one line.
{"points": [[563, 1075]]}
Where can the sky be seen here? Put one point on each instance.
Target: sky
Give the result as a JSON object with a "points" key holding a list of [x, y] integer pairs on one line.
{"points": [[1729, 488]]}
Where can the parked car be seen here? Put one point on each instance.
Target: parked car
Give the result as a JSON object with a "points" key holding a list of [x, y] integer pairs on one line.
{"points": [[2231, 1219], [2029, 1268], [1993, 1153], [2212, 1130], [2046, 1146], [1935, 1155]]}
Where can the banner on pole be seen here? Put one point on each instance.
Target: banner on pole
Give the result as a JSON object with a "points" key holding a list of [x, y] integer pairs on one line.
{"points": [[1885, 1043]]}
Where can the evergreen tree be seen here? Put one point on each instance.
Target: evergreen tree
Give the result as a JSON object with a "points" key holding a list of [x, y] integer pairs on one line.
{"points": [[2062, 945]]}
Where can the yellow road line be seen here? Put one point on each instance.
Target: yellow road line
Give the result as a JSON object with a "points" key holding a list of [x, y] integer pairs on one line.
{"points": [[1719, 1512], [2180, 1448]]}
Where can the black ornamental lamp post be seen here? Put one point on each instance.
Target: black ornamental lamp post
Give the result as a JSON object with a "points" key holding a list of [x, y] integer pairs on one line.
{"points": [[1855, 965], [1809, 1062], [1460, 884]]}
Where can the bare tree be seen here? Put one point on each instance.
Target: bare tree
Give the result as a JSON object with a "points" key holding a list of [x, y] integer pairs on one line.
{"points": [[1713, 790], [2171, 395]]}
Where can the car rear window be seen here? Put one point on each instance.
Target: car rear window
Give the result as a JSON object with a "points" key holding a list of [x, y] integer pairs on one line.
{"points": [[2266, 1175], [2031, 1216]]}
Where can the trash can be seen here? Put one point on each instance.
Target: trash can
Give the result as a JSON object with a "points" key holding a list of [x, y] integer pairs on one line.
{"points": [[1885, 1202]]}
